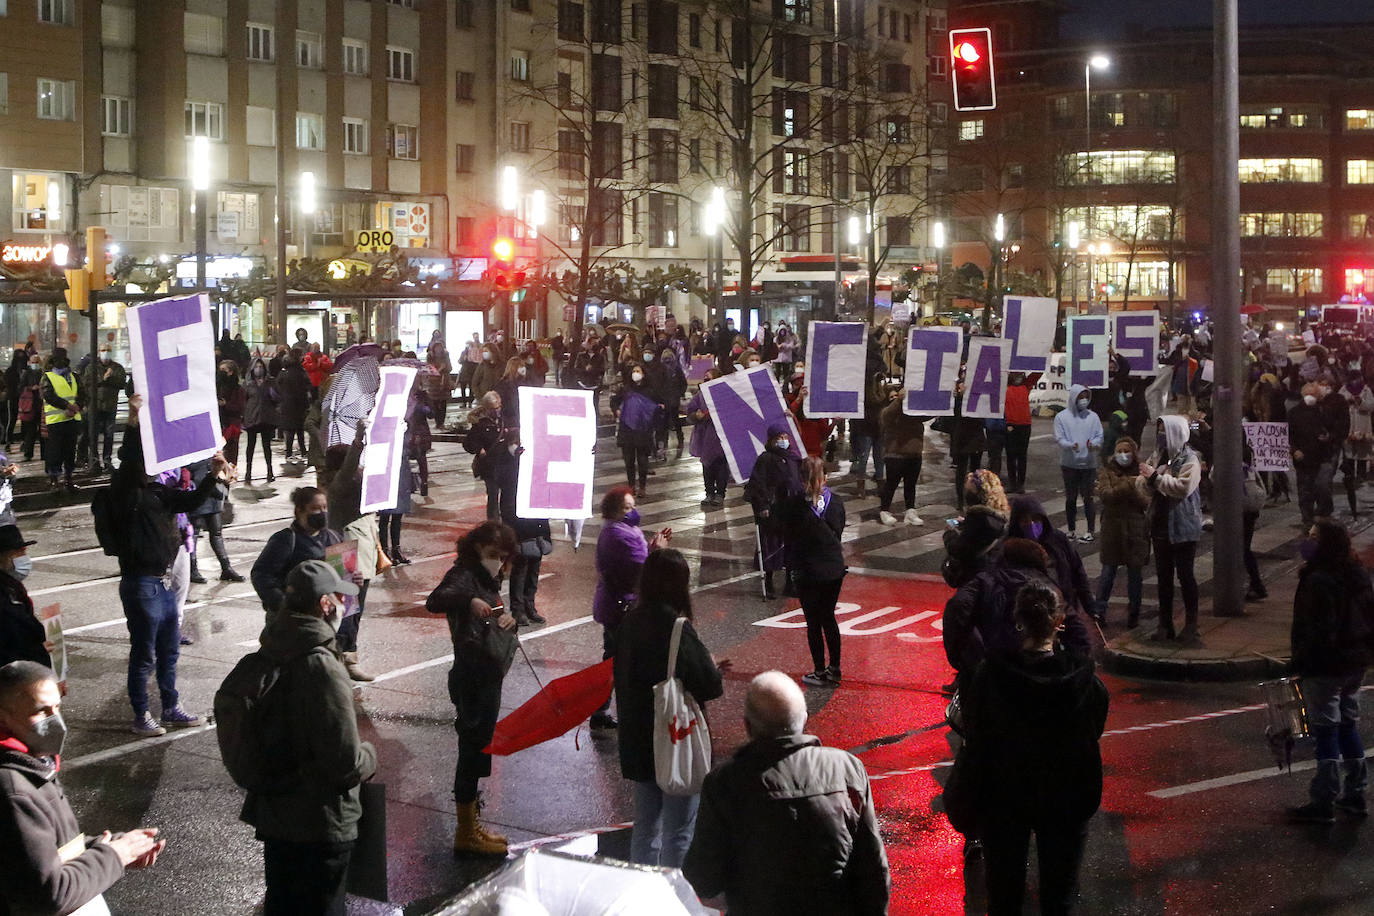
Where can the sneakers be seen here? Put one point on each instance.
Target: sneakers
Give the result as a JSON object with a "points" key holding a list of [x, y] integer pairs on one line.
{"points": [[886, 518], [1314, 812], [145, 727], [1353, 805], [229, 574], [176, 717], [911, 518], [535, 617], [816, 679], [833, 674], [1086, 538]]}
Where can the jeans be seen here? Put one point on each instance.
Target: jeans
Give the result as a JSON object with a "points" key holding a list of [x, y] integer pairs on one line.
{"points": [[633, 454], [476, 700], [1079, 482], [305, 877], [663, 826], [1018, 444], [861, 445], [1134, 586], [104, 433], [150, 610], [716, 474], [1059, 848], [524, 582], [347, 637], [905, 471], [963, 466], [822, 631], [1171, 558], [1333, 709], [62, 447]]}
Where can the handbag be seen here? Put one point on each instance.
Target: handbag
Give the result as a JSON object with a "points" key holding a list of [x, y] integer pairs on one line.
{"points": [[383, 561], [493, 644], [682, 740], [960, 797]]}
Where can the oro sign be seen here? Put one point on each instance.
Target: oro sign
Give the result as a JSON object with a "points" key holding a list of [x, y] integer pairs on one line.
{"points": [[375, 239]]}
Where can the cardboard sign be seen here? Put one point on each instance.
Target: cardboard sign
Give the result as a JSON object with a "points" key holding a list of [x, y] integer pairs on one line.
{"points": [[1269, 446], [835, 356], [1135, 336], [743, 405], [1051, 392], [55, 642], [343, 556], [558, 464], [700, 366], [386, 439], [932, 371], [170, 342], [985, 378], [1029, 324], [1087, 350]]}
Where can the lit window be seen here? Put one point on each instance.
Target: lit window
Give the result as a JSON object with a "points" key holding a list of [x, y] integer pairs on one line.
{"points": [[1359, 225], [1359, 119], [56, 12], [260, 42], [309, 50], [971, 129], [1359, 171], [403, 141], [309, 130], [1281, 225], [56, 99], [116, 116], [1118, 167], [355, 136], [1280, 170], [38, 201], [400, 64], [355, 57], [1293, 281], [520, 66], [205, 119]]}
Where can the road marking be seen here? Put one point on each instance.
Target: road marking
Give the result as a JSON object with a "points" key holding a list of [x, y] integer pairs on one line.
{"points": [[190, 607], [120, 750], [1236, 779], [227, 531]]}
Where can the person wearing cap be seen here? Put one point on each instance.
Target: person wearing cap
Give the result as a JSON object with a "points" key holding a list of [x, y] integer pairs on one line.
{"points": [[309, 825], [62, 417], [22, 637], [776, 476], [106, 378]]}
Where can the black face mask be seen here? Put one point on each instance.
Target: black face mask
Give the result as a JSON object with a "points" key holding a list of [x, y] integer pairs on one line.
{"points": [[317, 521]]}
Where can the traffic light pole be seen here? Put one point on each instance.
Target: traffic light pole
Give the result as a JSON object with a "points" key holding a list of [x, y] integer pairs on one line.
{"points": [[94, 314]]}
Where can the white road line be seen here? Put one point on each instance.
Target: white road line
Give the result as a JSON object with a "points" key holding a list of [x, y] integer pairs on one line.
{"points": [[190, 607], [120, 750], [228, 531], [1235, 779]]}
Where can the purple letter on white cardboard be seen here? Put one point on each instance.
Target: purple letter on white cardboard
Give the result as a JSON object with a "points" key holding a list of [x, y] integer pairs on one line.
{"points": [[932, 371], [743, 405], [558, 464], [386, 439], [1087, 348], [1029, 323], [1135, 336], [836, 352], [985, 379]]}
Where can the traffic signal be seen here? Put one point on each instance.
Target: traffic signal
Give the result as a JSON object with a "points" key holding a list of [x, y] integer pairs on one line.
{"points": [[96, 256], [78, 291], [970, 55]]}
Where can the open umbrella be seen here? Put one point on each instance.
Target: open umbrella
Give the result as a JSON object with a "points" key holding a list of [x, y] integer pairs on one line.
{"points": [[1253, 309], [554, 710], [374, 350]]}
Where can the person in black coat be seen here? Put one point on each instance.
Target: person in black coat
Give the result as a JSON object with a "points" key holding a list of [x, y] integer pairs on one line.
{"points": [[776, 475], [304, 539], [534, 539], [1033, 717], [812, 522], [493, 449], [1028, 520], [14, 386], [970, 545], [966, 445], [1330, 652], [207, 517], [22, 637], [663, 824], [295, 390]]}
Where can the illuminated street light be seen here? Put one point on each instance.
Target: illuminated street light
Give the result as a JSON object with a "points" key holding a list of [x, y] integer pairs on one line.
{"points": [[1074, 240], [200, 164], [854, 233], [510, 188], [999, 230], [937, 235], [309, 202], [538, 208]]}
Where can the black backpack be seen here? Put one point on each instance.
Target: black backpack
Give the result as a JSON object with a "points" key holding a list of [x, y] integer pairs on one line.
{"points": [[249, 743], [105, 508]]}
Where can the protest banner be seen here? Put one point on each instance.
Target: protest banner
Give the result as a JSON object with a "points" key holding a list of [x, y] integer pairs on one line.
{"points": [[700, 366], [932, 371], [1087, 350], [170, 342], [1029, 323], [386, 439], [1051, 393], [985, 378], [558, 463], [55, 642], [343, 556], [1135, 337], [835, 356], [743, 405], [1269, 446], [1209, 370]]}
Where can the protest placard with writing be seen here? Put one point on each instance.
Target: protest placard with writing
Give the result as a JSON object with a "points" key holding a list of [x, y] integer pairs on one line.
{"points": [[169, 344], [1269, 446], [557, 463]]}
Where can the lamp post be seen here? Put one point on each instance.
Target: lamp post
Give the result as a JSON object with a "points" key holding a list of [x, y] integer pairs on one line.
{"points": [[200, 183], [309, 203], [937, 241], [1096, 62], [714, 223], [1074, 242], [508, 189]]}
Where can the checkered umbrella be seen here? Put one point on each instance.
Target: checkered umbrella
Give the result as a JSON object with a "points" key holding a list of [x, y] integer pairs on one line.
{"points": [[353, 392]]}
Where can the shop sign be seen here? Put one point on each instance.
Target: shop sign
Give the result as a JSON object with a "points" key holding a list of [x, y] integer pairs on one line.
{"points": [[375, 239], [22, 253], [227, 225]]}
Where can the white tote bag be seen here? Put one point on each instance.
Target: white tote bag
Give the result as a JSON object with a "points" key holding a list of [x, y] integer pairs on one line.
{"points": [[682, 742]]}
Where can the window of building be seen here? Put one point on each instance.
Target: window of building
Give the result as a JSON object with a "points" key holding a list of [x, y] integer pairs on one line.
{"points": [[520, 66], [1293, 281], [1126, 222], [1281, 117], [309, 130], [355, 61], [798, 11], [663, 155], [1134, 166], [695, 164], [1015, 176], [355, 136], [606, 82], [56, 12], [520, 136], [608, 144], [1281, 225], [972, 129], [261, 42], [465, 232], [144, 214], [794, 172], [1109, 110], [400, 64], [662, 220], [570, 20], [937, 66], [1280, 170], [793, 228], [899, 231], [407, 4], [1149, 279], [569, 154], [605, 217], [1359, 171], [694, 29], [56, 99], [117, 116], [663, 91], [1359, 225], [201, 34], [464, 13], [465, 158], [309, 50], [1359, 119], [464, 85], [898, 179], [39, 201], [248, 206], [605, 21], [403, 141], [1358, 280]]}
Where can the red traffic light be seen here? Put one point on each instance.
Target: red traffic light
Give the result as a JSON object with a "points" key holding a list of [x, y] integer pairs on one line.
{"points": [[971, 66], [503, 250]]}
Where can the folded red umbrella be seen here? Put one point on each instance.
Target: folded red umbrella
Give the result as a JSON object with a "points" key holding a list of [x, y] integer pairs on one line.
{"points": [[561, 706]]}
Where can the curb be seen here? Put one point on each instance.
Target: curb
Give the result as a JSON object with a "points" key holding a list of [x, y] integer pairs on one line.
{"points": [[1251, 668]]}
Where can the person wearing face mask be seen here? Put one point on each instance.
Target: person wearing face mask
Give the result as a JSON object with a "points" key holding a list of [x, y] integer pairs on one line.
{"points": [[776, 476], [1125, 530], [1029, 520], [492, 446], [294, 390], [1314, 450], [231, 398], [813, 523], [786, 343], [62, 397], [636, 413], [107, 379], [484, 644], [1183, 377], [304, 539], [259, 416], [208, 517], [814, 432], [51, 866], [31, 406], [706, 446], [1359, 443], [1079, 433], [1171, 480], [22, 637], [487, 373], [536, 366], [309, 824], [516, 376]]}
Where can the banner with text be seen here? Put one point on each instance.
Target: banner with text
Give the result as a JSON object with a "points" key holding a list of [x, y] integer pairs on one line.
{"points": [[985, 378], [836, 352], [171, 346], [55, 642], [1269, 446], [558, 464], [1135, 336], [932, 371], [743, 405], [1029, 323], [386, 439], [1087, 349]]}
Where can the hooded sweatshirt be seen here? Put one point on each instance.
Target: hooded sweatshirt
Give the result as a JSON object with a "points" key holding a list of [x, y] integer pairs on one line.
{"points": [[1176, 507], [1078, 432]]}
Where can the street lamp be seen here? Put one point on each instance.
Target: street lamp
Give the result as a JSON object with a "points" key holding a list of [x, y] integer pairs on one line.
{"points": [[538, 209], [713, 221], [1074, 242], [510, 188], [937, 241], [200, 183], [1096, 62]]}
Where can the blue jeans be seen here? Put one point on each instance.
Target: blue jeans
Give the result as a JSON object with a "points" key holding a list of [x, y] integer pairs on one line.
{"points": [[663, 826], [150, 609], [862, 444], [1135, 584], [1333, 712]]}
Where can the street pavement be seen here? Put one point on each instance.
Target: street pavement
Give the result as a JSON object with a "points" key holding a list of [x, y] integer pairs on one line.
{"points": [[1191, 819]]}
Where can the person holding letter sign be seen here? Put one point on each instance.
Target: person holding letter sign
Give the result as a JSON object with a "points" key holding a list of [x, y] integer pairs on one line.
{"points": [[776, 475]]}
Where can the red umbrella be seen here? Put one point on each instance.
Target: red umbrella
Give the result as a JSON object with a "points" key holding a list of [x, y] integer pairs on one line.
{"points": [[1253, 310], [557, 709]]}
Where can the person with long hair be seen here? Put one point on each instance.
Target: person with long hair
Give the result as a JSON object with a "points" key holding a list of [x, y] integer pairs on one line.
{"points": [[1125, 530], [970, 543], [812, 523], [259, 416], [232, 398], [637, 413], [508, 387], [484, 644], [1032, 719], [1330, 652], [663, 823]]}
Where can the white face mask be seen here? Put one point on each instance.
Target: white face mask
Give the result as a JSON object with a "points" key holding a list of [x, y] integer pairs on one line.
{"points": [[1123, 458], [784, 444], [492, 565], [486, 356], [648, 357], [1310, 400], [521, 371], [1083, 403], [637, 376]]}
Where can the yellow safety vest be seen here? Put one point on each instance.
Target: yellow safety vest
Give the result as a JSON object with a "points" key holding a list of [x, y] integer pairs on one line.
{"points": [[64, 389]]}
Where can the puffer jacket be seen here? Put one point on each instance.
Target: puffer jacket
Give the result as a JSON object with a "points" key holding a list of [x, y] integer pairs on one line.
{"points": [[328, 762], [787, 826], [903, 436], [260, 399], [1124, 533]]}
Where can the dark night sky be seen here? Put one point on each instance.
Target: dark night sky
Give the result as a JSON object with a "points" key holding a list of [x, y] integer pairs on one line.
{"points": [[1106, 18]]}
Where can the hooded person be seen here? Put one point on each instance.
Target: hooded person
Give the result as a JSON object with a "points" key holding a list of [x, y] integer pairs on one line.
{"points": [[776, 475], [1171, 480], [1028, 520], [1078, 430], [1125, 529]]}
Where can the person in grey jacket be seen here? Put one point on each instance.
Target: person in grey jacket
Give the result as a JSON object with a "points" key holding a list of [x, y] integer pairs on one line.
{"points": [[50, 864], [309, 824], [1170, 480], [259, 416], [788, 826], [1079, 433]]}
